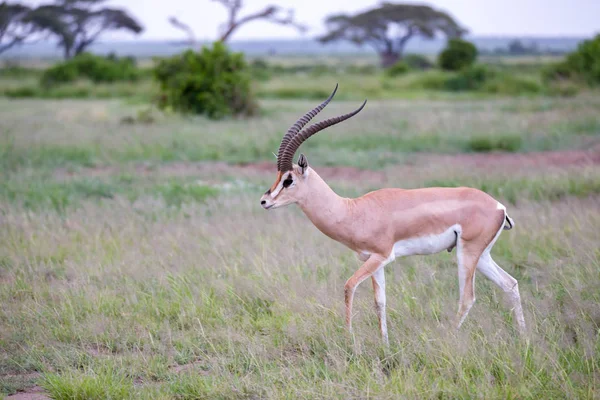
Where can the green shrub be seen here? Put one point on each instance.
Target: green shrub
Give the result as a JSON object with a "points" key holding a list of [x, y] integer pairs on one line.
{"points": [[583, 64], [417, 61], [457, 55], [214, 82], [95, 68], [60, 73], [22, 92], [399, 68], [557, 71], [511, 85], [484, 144], [469, 78]]}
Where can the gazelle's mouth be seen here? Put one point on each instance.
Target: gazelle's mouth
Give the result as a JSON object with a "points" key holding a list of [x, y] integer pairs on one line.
{"points": [[269, 206]]}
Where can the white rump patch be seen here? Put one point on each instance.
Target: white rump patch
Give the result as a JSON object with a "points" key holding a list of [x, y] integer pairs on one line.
{"points": [[429, 244]]}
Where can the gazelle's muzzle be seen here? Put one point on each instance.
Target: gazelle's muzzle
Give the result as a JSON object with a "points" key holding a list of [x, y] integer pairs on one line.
{"points": [[266, 201]]}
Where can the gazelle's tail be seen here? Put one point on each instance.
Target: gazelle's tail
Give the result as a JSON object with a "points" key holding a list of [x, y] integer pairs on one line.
{"points": [[509, 223]]}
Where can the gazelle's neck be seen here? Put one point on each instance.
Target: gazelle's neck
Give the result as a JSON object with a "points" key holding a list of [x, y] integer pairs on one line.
{"points": [[325, 208]]}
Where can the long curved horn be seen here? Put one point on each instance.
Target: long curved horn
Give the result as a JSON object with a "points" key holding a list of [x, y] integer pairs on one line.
{"points": [[296, 141], [294, 129]]}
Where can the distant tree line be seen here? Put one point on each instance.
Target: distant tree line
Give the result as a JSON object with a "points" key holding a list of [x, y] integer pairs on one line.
{"points": [[75, 24], [517, 47]]}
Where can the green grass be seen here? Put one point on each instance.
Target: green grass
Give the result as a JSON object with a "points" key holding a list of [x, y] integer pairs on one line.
{"points": [[543, 187], [136, 261], [104, 383], [38, 192], [72, 134], [227, 294]]}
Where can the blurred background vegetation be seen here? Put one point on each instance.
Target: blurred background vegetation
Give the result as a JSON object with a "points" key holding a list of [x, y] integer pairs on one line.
{"points": [[211, 79]]}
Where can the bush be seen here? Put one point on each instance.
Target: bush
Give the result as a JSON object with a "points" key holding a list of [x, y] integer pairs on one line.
{"points": [[399, 68], [22, 92], [583, 64], [457, 55], [557, 72], [95, 68], [214, 82], [417, 61], [484, 144], [60, 73], [509, 84], [470, 78]]}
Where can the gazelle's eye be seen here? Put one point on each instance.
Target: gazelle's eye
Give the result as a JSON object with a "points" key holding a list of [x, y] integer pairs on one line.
{"points": [[287, 182]]}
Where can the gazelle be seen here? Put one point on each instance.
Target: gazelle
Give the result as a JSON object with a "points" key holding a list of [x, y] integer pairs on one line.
{"points": [[388, 223]]}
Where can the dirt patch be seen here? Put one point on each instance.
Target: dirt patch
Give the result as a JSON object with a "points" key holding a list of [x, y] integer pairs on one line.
{"points": [[34, 393], [521, 160], [28, 393]]}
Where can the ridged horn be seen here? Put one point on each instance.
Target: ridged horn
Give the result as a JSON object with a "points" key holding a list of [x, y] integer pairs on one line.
{"points": [[288, 153], [294, 129]]}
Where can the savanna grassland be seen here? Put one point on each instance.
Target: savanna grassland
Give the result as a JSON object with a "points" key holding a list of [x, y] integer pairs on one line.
{"points": [[136, 261]]}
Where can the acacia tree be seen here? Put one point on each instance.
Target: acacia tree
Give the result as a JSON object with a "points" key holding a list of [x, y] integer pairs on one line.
{"points": [[14, 27], [271, 13], [79, 23], [388, 27]]}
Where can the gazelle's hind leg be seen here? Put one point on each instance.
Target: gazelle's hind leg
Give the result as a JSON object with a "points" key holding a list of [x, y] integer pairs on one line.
{"points": [[493, 272], [467, 263]]}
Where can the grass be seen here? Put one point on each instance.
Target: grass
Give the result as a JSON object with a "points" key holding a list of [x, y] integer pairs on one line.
{"points": [[136, 262], [93, 133], [43, 192], [200, 304]]}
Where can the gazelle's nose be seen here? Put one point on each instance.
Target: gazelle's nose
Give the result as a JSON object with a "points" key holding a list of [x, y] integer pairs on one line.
{"points": [[263, 202]]}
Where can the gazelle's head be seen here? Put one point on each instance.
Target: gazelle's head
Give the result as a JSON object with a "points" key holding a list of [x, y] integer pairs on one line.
{"points": [[291, 183]]}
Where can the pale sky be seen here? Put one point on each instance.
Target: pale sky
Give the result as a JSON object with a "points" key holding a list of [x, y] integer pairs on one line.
{"points": [[481, 17]]}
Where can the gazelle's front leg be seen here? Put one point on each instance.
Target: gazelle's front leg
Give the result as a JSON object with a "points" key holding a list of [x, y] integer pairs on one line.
{"points": [[379, 291], [374, 263]]}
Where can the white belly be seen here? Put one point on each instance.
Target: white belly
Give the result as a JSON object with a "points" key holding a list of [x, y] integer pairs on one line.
{"points": [[428, 244]]}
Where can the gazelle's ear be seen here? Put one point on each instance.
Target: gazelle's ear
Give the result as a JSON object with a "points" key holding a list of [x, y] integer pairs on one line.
{"points": [[303, 164]]}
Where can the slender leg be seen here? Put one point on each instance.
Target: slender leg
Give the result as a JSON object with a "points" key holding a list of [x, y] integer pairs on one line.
{"points": [[467, 263], [367, 269], [507, 283], [378, 279]]}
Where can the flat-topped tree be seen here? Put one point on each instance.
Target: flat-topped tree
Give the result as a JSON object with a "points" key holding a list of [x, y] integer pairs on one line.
{"points": [[79, 23], [388, 27], [14, 27], [271, 13]]}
